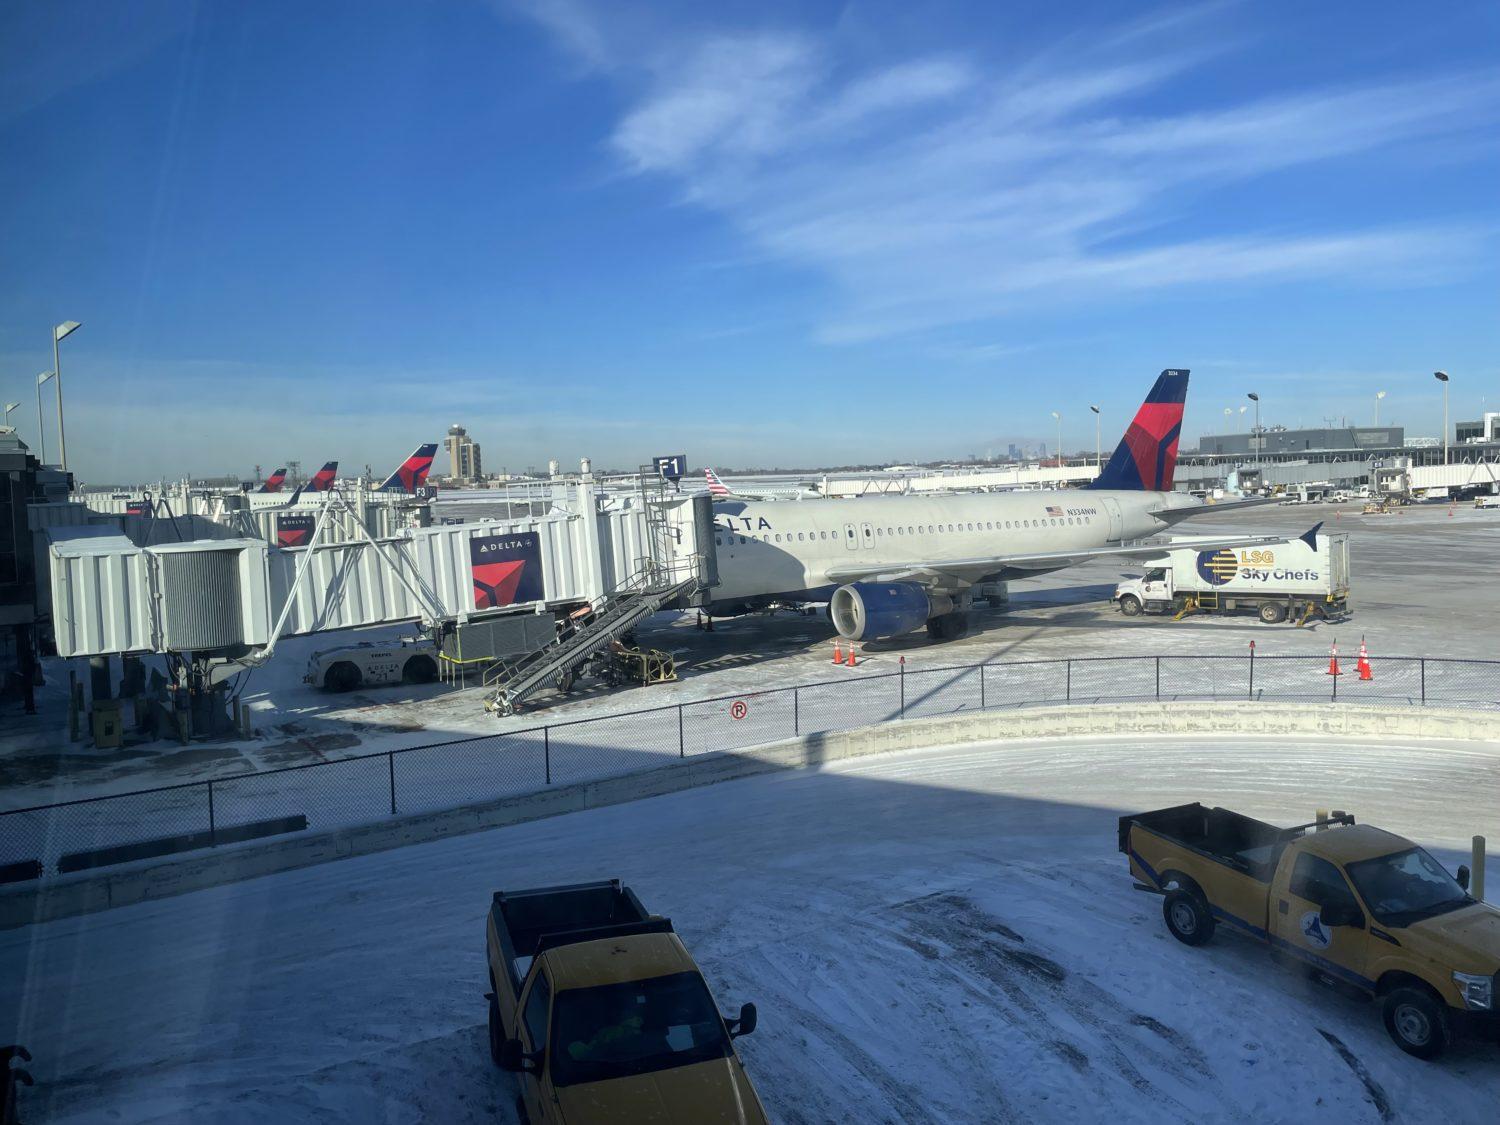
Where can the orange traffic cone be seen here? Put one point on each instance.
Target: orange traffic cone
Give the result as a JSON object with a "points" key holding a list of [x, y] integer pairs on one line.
{"points": [[1333, 660], [1365, 672], [851, 662], [838, 652]]}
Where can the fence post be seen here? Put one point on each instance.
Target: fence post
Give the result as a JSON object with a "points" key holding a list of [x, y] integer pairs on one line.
{"points": [[390, 760], [901, 676], [547, 752], [1335, 688], [213, 831], [681, 742], [1424, 681], [1158, 679], [982, 705], [1251, 693], [1068, 690], [796, 712]]}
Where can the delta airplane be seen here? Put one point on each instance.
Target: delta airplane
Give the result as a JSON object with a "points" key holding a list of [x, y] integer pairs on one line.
{"points": [[890, 565]]}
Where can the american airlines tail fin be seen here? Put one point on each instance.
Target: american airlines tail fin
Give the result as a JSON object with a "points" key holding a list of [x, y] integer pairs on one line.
{"points": [[273, 482], [716, 487], [412, 473], [323, 479], [1146, 457]]}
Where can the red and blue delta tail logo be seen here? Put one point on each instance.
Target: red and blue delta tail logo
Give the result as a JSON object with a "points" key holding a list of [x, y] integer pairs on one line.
{"points": [[323, 479], [413, 471], [1146, 457], [274, 481]]}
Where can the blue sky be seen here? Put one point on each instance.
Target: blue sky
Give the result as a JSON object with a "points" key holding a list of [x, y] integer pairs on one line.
{"points": [[760, 233]]}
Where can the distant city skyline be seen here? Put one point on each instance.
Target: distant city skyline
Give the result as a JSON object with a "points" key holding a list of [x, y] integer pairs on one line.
{"points": [[789, 233]]}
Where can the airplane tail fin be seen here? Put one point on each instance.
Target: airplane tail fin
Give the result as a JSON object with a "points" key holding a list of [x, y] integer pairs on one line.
{"points": [[716, 487], [412, 473], [323, 479], [274, 481], [1146, 457]]}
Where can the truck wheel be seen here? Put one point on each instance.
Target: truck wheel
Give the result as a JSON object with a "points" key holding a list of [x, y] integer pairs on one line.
{"points": [[1417, 1021], [341, 676], [419, 670], [1130, 605], [1272, 612], [1187, 917]]}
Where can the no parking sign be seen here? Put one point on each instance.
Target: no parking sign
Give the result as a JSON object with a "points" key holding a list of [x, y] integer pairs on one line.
{"points": [[738, 709]]}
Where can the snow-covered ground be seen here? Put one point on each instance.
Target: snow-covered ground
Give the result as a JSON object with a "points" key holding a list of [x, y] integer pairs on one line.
{"points": [[936, 935], [1420, 580]]}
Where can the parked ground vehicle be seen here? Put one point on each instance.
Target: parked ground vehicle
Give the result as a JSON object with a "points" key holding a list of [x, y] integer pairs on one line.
{"points": [[1293, 580], [600, 1010], [1364, 909], [1488, 501], [410, 660]]}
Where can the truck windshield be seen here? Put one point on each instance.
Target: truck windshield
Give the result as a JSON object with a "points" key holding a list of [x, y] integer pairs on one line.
{"points": [[616, 1030], [1406, 887]]}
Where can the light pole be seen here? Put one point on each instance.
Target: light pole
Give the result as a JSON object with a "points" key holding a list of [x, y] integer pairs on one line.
{"points": [[1058, 451], [41, 426], [1228, 414], [9, 406], [1259, 438], [66, 328], [1442, 377], [1098, 447], [1378, 396]]}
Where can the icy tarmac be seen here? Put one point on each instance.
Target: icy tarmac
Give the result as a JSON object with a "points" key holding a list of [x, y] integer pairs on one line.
{"points": [[937, 935]]}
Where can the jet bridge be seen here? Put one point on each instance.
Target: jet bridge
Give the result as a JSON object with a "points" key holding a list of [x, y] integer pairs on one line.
{"points": [[229, 600]]}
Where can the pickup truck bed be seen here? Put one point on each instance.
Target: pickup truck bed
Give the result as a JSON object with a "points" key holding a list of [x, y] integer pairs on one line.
{"points": [[1251, 847], [528, 922]]}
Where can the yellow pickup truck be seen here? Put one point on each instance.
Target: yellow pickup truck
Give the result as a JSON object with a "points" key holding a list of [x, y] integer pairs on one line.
{"points": [[1363, 908], [600, 1011]]}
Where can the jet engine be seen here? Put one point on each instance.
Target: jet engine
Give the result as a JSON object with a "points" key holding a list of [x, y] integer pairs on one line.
{"points": [[863, 611]]}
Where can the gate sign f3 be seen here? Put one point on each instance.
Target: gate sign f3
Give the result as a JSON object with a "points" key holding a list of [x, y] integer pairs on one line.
{"points": [[672, 466]]}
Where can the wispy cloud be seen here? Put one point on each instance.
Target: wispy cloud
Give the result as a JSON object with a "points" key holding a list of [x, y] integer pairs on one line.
{"points": [[937, 190]]}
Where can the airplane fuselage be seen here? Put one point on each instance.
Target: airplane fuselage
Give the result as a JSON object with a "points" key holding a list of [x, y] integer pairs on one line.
{"points": [[785, 549]]}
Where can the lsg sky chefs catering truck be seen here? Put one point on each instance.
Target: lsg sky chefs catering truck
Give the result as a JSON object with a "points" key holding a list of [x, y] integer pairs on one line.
{"points": [[1291, 580]]}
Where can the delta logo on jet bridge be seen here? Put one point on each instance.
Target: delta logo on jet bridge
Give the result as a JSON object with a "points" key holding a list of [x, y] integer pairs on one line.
{"points": [[506, 569]]}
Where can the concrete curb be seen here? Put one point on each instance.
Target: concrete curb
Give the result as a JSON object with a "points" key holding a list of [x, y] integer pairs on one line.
{"points": [[88, 892]]}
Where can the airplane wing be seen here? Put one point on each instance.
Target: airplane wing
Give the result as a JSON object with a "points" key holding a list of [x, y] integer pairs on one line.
{"points": [[955, 574], [1171, 516]]}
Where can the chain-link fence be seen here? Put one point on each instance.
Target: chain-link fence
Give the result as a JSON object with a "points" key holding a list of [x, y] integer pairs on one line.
{"points": [[97, 832]]}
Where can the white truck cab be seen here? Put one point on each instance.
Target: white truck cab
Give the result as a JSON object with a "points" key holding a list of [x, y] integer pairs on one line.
{"points": [[410, 660]]}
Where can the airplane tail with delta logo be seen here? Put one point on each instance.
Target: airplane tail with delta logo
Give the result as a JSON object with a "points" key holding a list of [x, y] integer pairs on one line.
{"points": [[412, 473], [1146, 457], [274, 481], [323, 479]]}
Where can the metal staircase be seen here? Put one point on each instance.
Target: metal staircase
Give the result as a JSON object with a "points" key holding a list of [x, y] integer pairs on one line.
{"points": [[660, 578], [587, 631]]}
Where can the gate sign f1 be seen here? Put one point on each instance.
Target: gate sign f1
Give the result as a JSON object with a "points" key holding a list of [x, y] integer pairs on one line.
{"points": [[672, 466]]}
